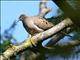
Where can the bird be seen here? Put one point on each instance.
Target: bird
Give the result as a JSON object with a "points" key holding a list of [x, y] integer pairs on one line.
{"points": [[35, 24]]}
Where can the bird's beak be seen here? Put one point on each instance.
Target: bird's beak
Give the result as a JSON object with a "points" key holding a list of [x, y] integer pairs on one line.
{"points": [[20, 19], [17, 21]]}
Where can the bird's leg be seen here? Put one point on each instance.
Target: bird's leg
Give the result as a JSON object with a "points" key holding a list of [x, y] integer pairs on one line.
{"points": [[33, 43]]}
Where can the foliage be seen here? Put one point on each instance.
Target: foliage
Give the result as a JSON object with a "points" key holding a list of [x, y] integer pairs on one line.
{"points": [[6, 37]]}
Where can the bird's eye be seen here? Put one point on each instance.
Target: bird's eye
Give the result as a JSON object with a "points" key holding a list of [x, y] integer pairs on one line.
{"points": [[22, 17]]}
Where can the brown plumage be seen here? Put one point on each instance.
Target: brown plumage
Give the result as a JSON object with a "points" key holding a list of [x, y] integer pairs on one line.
{"points": [[35, 24]]}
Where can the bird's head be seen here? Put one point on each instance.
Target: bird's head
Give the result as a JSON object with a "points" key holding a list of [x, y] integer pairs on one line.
{"points": [[22, 17]]}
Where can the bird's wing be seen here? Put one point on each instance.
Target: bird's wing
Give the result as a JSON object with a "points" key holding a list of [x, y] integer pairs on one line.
{"points": [[42, 23]]}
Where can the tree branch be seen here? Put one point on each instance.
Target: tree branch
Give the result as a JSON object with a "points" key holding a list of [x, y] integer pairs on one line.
{"points": [[13, 50], [57, 49], [59, 36], [43, 9]]}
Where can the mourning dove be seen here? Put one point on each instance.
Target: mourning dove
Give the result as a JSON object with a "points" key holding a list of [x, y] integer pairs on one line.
{"points": [[35, 24]]}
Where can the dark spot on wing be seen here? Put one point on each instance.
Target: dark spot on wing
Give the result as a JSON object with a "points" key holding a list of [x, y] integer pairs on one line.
{"points": [[46, 23]]}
